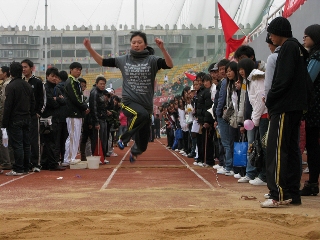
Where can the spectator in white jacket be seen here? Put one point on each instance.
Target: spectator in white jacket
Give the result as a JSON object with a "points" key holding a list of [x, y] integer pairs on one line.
{"points": [[271, 65], [255, 86]]}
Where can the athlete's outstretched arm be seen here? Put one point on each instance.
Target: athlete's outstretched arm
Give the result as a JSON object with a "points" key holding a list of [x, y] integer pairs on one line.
{"points": [[96, 56], [166, 55]]}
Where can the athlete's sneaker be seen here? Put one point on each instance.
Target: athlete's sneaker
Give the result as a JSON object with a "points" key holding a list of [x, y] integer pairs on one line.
{"points": [[132, 158], [244, 179], [120, 144], [257, 182]]}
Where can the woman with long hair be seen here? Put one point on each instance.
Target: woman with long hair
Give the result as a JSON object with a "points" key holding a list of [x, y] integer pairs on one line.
{"points": [[254, 80]]}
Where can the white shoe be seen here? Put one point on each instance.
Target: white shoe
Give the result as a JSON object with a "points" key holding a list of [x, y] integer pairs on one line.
{"points": [[106, 161], [73, 162], [65, 164], [269, 203], [222, 170], [217, 166], [244, 179], [195, 163], [181, 151], [177, 150], [306, 170], [36, 169], [238, 175], [114, 154], [258, 182], [13, 173], [185, 155], [229, 173], [200, 164]]}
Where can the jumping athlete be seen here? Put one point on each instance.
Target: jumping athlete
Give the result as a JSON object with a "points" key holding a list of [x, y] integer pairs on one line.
{"points": [[139, 69]]}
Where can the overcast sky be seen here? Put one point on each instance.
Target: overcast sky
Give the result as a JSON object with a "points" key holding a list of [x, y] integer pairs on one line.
{"points": [[115, 12]]}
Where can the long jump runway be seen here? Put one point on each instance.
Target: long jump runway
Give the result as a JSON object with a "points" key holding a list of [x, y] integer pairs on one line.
{"points": [[160, 178]]}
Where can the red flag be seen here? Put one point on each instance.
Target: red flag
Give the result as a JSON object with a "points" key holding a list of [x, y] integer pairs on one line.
{"points": [[232, 45], [229, 27], [190, 76]]}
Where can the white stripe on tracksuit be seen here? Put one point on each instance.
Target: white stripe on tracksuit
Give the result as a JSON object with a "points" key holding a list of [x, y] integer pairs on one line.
{"points": [[73, 140]]}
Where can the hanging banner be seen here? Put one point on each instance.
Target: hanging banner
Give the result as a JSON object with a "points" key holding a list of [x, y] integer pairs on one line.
{"points": [[291, 6]]}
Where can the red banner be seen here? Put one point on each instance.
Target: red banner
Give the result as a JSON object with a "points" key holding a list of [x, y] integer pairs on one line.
{"points": [[159, 100], [291, 6]]}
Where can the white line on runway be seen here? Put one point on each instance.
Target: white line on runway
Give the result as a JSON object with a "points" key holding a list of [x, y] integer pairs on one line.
{"points": [[105, 185], [192, 170], [15, 179]]}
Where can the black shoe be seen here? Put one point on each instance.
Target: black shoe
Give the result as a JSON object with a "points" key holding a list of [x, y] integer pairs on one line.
{"points": [[296, 201], [191, 155], [6, 166], [58, 168], [44, 167], [310, 189]]}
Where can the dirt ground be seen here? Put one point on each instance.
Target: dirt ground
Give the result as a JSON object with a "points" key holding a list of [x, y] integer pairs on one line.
{"points": [[162, 196]]}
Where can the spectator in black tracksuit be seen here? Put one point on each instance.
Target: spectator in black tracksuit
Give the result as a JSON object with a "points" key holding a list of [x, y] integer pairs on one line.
{"points": [[18, 109], [98, 112], [198, 135], [62, 131], [39, 96], [286, 100], [50, 157], [205, 119]]}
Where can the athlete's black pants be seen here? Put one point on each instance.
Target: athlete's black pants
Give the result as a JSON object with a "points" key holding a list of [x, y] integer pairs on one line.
{"points": [[139, 127]]}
